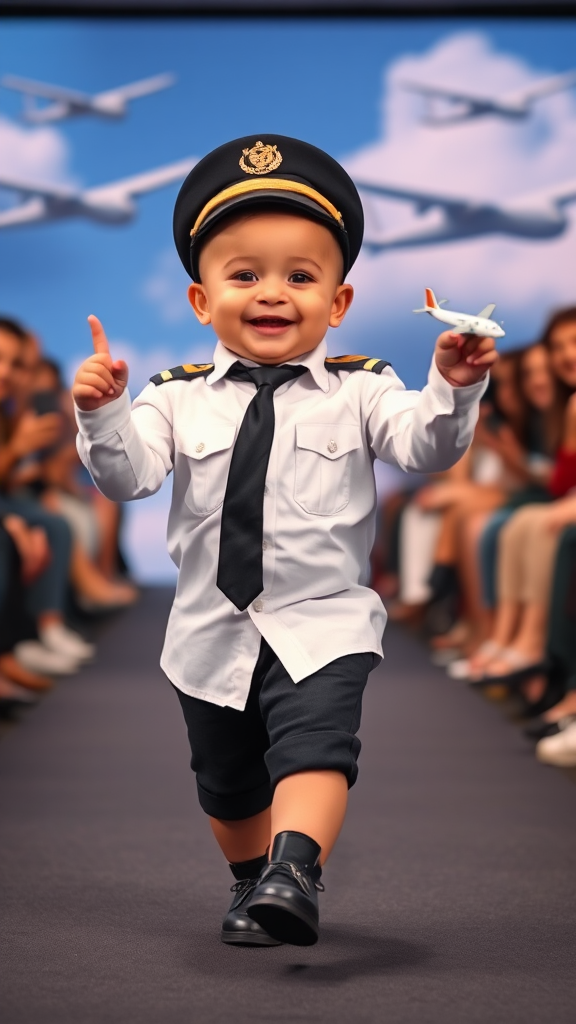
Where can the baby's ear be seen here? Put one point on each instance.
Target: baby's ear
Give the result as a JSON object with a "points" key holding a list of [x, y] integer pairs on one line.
{"points": [[341, 304], [199, 301]]}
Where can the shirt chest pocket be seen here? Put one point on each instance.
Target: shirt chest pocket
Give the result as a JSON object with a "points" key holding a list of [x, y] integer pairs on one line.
{"points": [[208, 454], [324, 453]]}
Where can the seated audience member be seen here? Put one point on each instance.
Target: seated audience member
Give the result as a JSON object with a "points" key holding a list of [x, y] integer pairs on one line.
{"points": [[482, 481], [529, 541], [92, 518], [26, 437], [12, 695], [476, 533], [555, 727]]}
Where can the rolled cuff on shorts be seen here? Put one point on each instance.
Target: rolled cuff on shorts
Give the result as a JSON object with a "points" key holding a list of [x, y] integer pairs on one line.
{"points": [[236, 806], [314, 752]]}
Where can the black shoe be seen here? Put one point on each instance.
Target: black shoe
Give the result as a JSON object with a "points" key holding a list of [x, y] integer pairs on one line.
{"points": [[237, 928], [285, 900], [540, 728]]}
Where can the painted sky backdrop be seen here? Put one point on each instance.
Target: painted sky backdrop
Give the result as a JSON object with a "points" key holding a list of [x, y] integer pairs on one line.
{"points": [[335, 84]]}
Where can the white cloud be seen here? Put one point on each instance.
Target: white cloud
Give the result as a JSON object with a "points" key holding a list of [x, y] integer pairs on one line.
{"points": [[33, 153], [485, 158], [166, 287]]}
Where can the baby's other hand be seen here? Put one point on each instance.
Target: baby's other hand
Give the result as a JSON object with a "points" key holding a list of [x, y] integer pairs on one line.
{"points": [[464, 359], [99, 380]]}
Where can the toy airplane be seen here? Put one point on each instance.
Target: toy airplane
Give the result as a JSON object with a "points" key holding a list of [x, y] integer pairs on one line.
{"points": [[462, 323], [66, 103]]}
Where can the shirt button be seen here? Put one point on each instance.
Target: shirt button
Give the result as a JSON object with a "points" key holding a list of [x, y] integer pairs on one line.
{"points": [[258, 605], [264, 545], [200, 446], [332, 446]]}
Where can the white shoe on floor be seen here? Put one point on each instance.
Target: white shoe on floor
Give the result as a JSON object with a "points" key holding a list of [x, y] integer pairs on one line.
{"points": [[36, 658], [560, 749], [58, 638]]}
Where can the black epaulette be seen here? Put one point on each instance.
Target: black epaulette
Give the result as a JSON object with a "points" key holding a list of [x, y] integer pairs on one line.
{"points": [[349, 363], [186, 372]]}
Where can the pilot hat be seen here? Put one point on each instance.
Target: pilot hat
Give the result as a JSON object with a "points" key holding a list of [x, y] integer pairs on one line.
{"points": [[266, 172]]}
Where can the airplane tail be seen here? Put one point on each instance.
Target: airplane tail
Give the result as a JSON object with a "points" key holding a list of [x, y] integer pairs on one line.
{"points": [[429, 300]]}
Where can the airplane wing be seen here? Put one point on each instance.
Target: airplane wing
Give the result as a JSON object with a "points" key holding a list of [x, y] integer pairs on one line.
{"points": [[547, 86], [455, 95], [44, 189], [420, 197], [487, 311], [27, 213], [44, 90], [135, 90], [148, 181]]}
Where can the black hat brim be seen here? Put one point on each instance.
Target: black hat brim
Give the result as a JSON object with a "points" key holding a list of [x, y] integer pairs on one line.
{"points": [[279, 202]]}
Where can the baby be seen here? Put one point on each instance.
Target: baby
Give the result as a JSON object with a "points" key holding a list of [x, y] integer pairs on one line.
{"points": [[272, 633]]}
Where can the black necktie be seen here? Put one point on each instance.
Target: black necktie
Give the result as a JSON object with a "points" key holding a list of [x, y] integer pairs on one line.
{"points": [[240, 559]]}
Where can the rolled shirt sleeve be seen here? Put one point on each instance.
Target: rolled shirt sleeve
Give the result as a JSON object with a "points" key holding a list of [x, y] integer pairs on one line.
{"points": [[128, 450], [424, 431]]}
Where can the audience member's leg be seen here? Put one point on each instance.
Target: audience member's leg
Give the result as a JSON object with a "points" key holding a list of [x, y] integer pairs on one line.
{"points": [[528, 551], [418, 537]]}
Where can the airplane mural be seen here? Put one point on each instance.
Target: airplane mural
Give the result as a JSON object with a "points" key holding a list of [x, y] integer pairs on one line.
{"points": [[112, 203], [515, 105], [66, 103], [537, 216]]}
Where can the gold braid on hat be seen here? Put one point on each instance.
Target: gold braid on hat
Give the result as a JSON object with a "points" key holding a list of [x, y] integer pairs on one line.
{"points": [[269, 185]]}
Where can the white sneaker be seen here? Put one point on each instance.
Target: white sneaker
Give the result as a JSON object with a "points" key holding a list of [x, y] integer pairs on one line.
{"points": [[559, 749], [61, 640], [36, 658]]}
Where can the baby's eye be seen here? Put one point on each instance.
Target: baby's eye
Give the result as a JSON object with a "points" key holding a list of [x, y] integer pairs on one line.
{"points": [[246, 275], [299, 277]]}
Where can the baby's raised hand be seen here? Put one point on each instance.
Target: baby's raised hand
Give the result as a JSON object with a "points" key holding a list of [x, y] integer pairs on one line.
{"points": [[100, 379], [464, 359]]}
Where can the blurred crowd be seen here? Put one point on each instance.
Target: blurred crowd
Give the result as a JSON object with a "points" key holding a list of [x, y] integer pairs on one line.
{"points": [[60, 560], [483, 558]]}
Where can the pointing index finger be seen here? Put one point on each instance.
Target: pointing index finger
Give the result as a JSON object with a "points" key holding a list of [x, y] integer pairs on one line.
{"points": [[99, 339]]}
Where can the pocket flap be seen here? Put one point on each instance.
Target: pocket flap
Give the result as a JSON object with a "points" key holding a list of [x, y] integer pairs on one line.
{"points": [[201, 440], [332, 440]]}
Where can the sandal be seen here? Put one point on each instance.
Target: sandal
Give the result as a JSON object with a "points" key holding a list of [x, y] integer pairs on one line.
{"points": [[462, 668], [520, 669]]}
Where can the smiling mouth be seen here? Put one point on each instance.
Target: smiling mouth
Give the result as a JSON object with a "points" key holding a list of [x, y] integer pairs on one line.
{"points": [[270, 324]]}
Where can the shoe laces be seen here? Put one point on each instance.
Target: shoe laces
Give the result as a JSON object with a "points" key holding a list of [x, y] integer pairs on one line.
{"points": [[244, 885], [301, 877]]}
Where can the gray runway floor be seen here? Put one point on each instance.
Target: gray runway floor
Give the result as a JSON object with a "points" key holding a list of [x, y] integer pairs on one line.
{"points": [[449, 899]]}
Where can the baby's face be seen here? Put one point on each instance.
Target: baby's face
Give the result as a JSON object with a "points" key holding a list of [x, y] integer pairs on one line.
{"points": [[270, 286]]}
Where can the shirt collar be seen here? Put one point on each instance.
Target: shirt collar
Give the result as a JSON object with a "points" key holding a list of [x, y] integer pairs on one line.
{"points": [[313, 361]]}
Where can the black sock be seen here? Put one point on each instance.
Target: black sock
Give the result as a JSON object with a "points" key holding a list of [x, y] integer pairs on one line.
{"points": [[249, 868]]}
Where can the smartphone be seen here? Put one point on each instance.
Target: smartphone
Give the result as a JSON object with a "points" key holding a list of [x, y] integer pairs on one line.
{"points": [[44, 402]]}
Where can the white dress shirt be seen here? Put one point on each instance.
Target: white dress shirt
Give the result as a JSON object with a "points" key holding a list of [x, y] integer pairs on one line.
{"points": [[319, 506]]}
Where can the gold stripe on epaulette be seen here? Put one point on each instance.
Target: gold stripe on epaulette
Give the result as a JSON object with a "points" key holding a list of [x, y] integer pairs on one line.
{"points": [[371, 363], [196, 367], [166, 375], [345, 359]]}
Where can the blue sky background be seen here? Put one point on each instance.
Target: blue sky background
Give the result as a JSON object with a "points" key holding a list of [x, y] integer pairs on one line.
{"points": [[331, 83]]}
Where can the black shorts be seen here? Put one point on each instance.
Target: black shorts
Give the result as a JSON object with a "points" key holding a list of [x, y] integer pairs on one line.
{"points": [[285, 728]]}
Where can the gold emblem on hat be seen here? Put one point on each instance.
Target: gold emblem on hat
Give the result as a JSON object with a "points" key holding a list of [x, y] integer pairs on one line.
{"points": [[260, 159]]}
